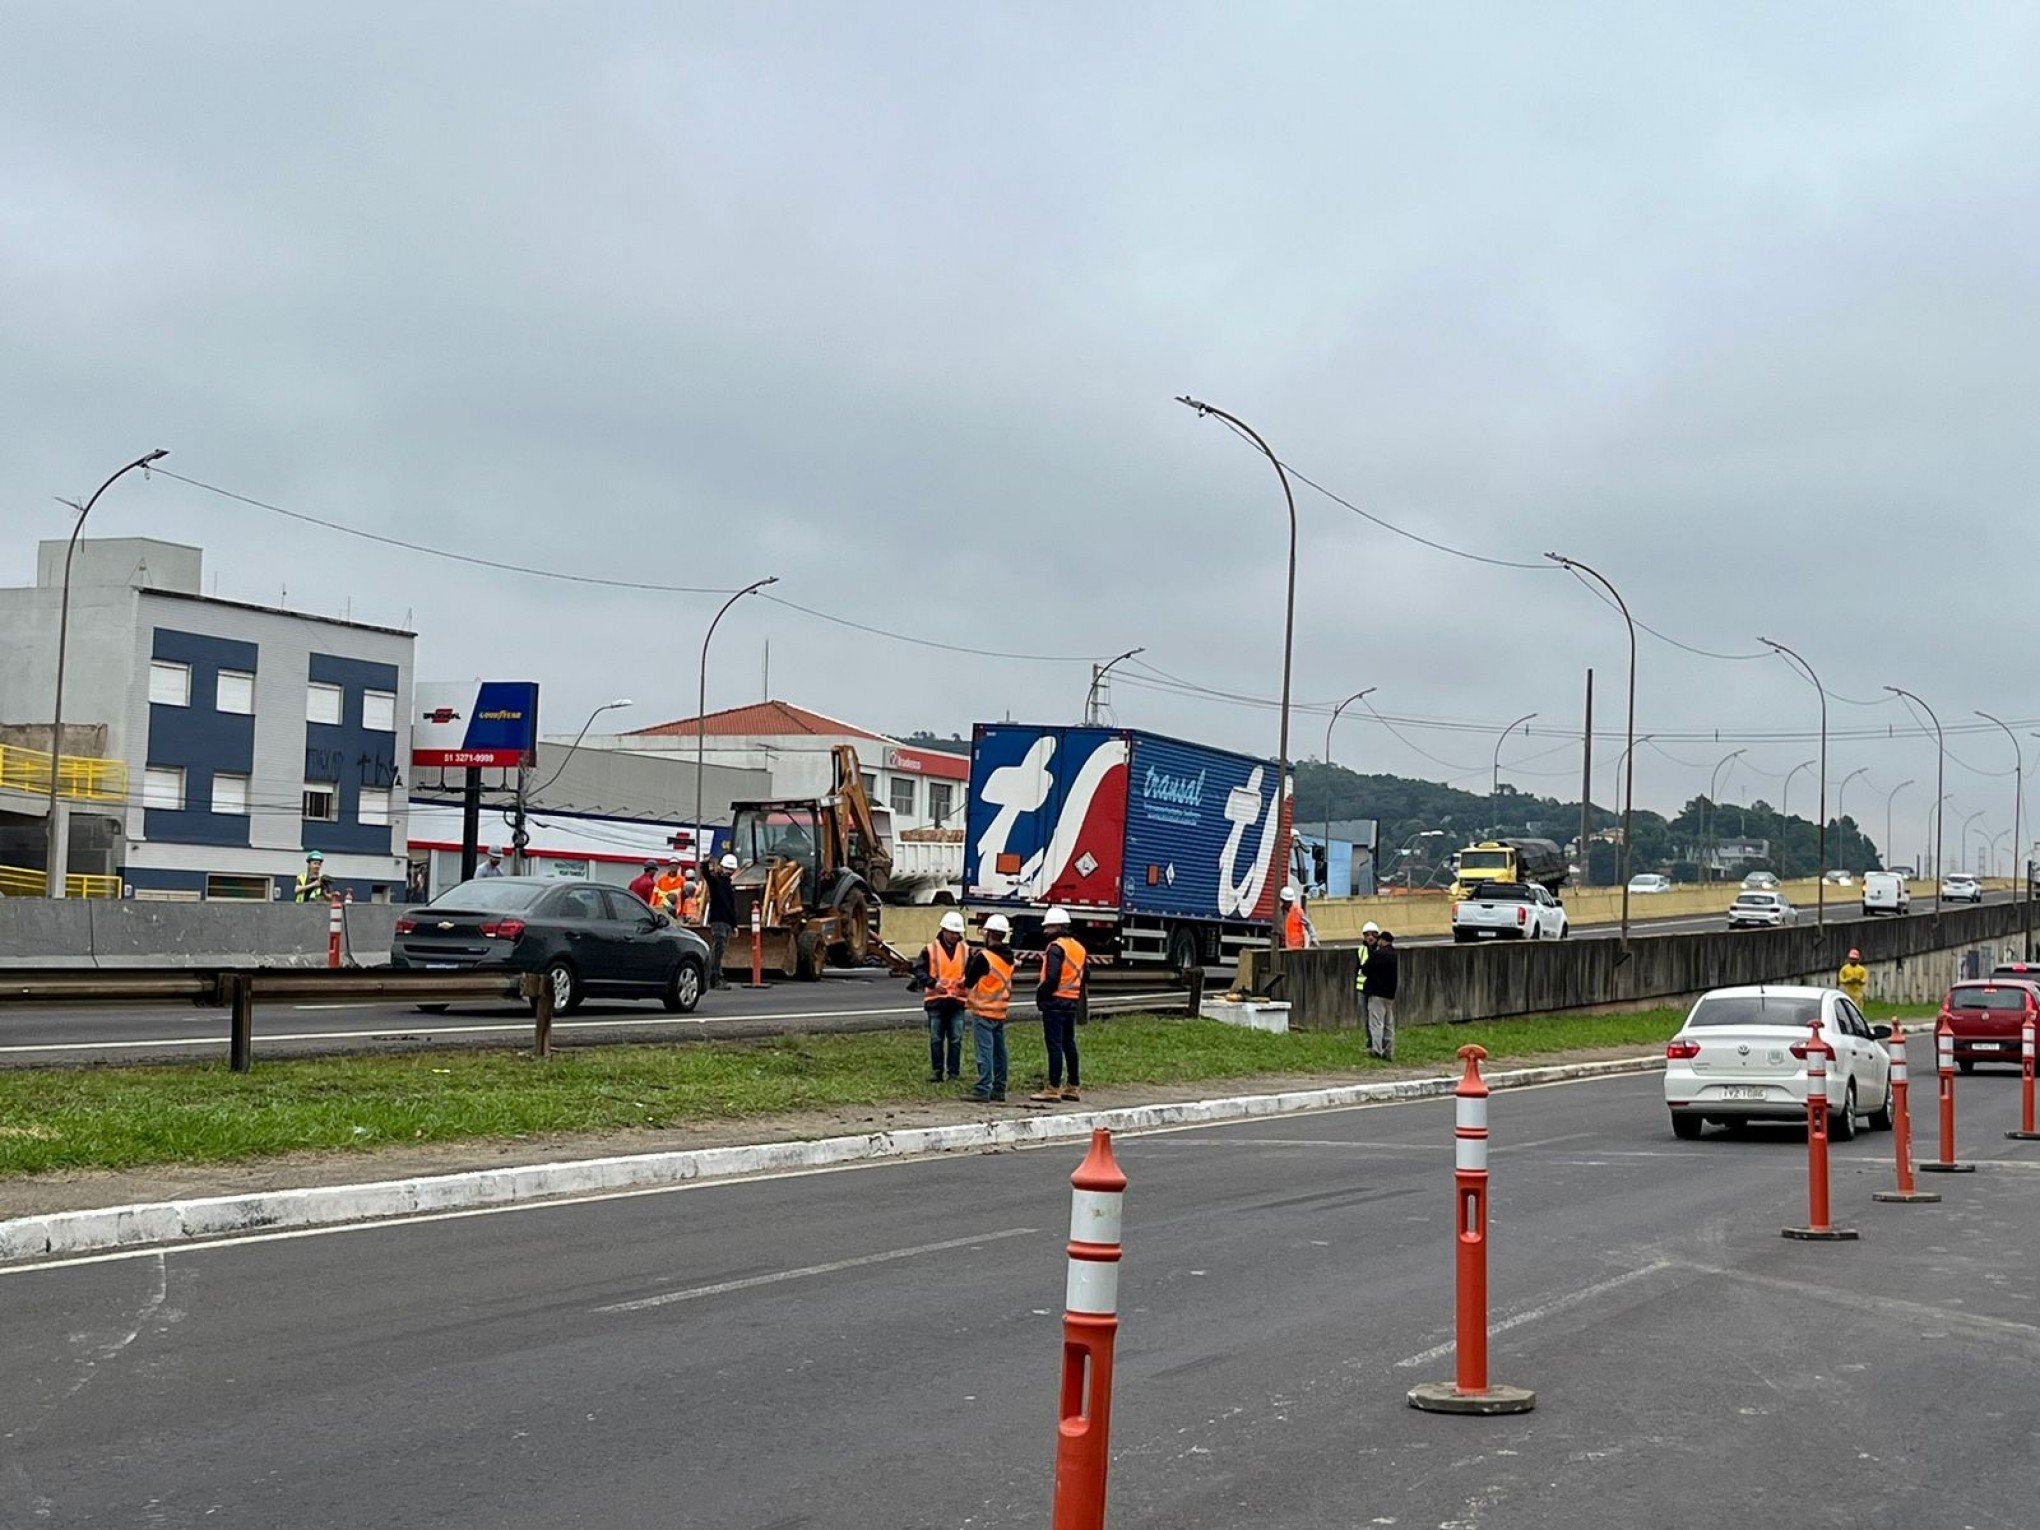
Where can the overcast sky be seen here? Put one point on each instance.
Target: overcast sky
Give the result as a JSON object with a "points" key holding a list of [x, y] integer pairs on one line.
{"points": [[1737, 303]]}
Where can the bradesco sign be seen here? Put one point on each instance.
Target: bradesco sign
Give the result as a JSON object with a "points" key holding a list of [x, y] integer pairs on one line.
{"points": [[486, 722]]}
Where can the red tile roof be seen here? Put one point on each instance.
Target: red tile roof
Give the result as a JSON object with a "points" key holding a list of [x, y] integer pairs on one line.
{"points": [[765, 719]]}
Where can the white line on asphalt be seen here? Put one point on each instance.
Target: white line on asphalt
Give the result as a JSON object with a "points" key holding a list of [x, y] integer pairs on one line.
{"points": [[1309, 1142], [693, 1293], [1549, 1309], [1918, 1312]]}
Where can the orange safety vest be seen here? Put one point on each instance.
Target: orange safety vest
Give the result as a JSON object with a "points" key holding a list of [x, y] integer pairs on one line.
{"points": [[1070, 985], [945, 972], [666, 890], [992, 994], [1293, 938], [690, 903]]}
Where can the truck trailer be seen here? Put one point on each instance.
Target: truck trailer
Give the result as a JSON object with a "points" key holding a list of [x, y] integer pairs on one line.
{"points": [[1163, 852]]}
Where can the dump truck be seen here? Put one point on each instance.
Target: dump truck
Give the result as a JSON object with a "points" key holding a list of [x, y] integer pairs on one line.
{"points": [[812, 871], [1536, 861]]}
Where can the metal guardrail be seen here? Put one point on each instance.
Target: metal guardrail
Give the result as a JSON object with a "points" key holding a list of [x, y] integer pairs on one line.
{"points": [[79, 777], [28, 882]]}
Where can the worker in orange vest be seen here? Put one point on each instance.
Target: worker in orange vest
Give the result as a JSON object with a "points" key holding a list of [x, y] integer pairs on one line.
{"points": [[668, 886], [1060, 990], [692, 900], [939, 974], [988, 994], [1296, 930]]}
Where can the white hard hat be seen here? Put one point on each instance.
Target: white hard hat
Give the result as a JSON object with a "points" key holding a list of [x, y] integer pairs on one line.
{"points": [[998, 924], [953, 922], [729, 863], [1288, 895], [1055, 916], [1370, 928]]}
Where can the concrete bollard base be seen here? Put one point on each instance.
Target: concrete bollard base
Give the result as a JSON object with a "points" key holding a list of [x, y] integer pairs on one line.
{"points": [[1944, 1168], [1905, 1195], [1445, 1397], [2024, 1136], [1822, 1234]]}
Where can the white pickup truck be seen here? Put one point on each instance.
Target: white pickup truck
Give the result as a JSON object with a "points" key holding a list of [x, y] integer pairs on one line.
{"points": [[1508, 911]]}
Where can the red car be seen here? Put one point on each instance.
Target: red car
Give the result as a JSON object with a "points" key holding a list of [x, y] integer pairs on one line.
{"points": [[1987, 1017]]}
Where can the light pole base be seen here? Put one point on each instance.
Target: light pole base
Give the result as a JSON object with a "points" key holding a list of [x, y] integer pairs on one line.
{"points": [[1445, 1397], [1822, 1234], [2024, 1136], [1905, 1195], [1944, 1168]]}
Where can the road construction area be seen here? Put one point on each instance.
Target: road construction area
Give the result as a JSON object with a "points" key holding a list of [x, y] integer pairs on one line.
{"points": [[880, 1348]]}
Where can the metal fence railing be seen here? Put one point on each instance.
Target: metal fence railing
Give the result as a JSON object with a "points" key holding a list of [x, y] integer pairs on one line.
{"points": [[79, 777], [27, 882]]}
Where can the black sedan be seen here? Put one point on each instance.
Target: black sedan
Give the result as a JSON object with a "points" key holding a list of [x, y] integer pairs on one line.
{"points": [[588, 939]]}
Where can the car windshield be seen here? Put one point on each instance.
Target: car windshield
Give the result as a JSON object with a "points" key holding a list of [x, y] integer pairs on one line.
{"points": [[1755, 1009], [1756, 900], [1484, 860], [1960, 881], [1514, 892], [1987, 998], [490, 895]]}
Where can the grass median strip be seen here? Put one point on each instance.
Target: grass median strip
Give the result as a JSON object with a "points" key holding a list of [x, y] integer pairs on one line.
{"points": [[133, 1117]]}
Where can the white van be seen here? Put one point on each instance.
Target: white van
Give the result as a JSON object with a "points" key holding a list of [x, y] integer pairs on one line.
{"points": [[1886, 892]]}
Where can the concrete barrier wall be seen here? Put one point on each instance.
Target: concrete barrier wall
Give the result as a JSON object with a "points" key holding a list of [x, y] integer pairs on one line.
{"points": [[1911, 960], [78, 932]]}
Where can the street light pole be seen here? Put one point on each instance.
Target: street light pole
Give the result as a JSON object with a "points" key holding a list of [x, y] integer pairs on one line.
{"points": [[701, 709], [1785, 814], [1820, 886], [1356, 696], [2018, 791], [519, 837], [1713, 784], [1888, 799], [1098, 675], [1629, 787], [56, 856], [1495, 782], [1940, 783], [1962, 846], [1288, 638]]}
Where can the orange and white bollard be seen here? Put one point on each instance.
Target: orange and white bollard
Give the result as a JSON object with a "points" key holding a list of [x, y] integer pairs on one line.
{"points": [[1944, 1062], [2025, 1132], [1901, 1129], [757, 946], [1090, 1326], [1818, 1054], [1470, 1391], [333, 931]]}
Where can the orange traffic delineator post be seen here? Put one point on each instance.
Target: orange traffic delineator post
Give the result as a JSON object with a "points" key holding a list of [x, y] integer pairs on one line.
{"points": [[1944, 1064], [1090, 1326], [757, 945], [1818, 1229], [1901, 1129], [1471, 1391], [333, 931], [2025, 1131]]}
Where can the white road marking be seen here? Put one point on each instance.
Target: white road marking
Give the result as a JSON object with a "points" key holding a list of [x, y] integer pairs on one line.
{"points": [[1896, 1306], [1549, 1309], [695, 1293]]}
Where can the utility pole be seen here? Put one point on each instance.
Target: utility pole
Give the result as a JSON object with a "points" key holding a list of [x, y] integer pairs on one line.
{"points": [[1587, 787]]}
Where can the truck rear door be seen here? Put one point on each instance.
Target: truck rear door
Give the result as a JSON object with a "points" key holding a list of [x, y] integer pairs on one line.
{"points": [[1047, 815]]}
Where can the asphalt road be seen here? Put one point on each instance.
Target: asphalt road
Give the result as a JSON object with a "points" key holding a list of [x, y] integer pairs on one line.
{"points": [[32, 1035], [880, 1347]]}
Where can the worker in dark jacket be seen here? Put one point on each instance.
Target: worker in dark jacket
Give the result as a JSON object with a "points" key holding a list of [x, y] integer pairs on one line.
{"points": [[1060, 990], [722, 914], [1383, 969]]}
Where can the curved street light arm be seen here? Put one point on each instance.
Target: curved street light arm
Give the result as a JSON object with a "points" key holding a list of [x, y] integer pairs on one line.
{"points": [[701, 705], [1629, 787]]}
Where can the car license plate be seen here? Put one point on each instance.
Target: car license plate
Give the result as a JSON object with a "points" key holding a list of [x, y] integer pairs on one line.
{"points": [[1989, 1046], [1743, 1092], [440, 966]]}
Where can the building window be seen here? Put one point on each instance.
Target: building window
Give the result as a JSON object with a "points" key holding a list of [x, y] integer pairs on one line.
{"points": [[237, 692], [903, 796], [251, 888], [322, 703], [230, 794], [941, 802], [163, 787], [870, 779], [169, 684], [374, 806], [322, 801], [379, 711]]}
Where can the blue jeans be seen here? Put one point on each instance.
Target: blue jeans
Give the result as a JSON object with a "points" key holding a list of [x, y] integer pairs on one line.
{"points": [[1059, 1026], [945, 1038], [989, 1039]]}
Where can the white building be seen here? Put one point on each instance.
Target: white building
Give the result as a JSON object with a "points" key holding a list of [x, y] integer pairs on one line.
{"points": [[231, 739]]}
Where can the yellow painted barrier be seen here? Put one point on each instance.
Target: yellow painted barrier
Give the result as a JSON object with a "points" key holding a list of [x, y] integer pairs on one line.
{"points": [[79, 777], [26, 882]]}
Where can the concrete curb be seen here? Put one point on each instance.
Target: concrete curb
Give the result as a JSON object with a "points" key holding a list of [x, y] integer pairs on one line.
{"points": [[67, 1233]]}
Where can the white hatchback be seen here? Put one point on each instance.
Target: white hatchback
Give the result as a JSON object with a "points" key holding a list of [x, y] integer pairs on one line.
{"points": [[1763, 909], [1740, 1057]]}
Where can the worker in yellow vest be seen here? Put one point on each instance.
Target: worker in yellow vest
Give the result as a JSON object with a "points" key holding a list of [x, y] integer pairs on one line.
{"points": [[1855, 978], [939, 976], [988, 994], [1057, 996]]}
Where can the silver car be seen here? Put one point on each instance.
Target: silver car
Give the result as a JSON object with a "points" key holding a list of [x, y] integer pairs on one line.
{"points": [[1761, 909]]}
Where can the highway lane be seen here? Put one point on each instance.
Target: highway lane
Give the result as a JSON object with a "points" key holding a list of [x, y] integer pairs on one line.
{"points": [[879, 1348]]}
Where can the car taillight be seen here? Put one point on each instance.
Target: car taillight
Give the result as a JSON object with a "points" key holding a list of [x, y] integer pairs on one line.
{"points": [[1678, 1051], [406, 926], [504, 929], [1522, 916]]}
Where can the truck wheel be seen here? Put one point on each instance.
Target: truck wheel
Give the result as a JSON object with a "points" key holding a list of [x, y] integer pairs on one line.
{"points": [[1184, 951], [852, 950], [1461, 937], [807, 959]]}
